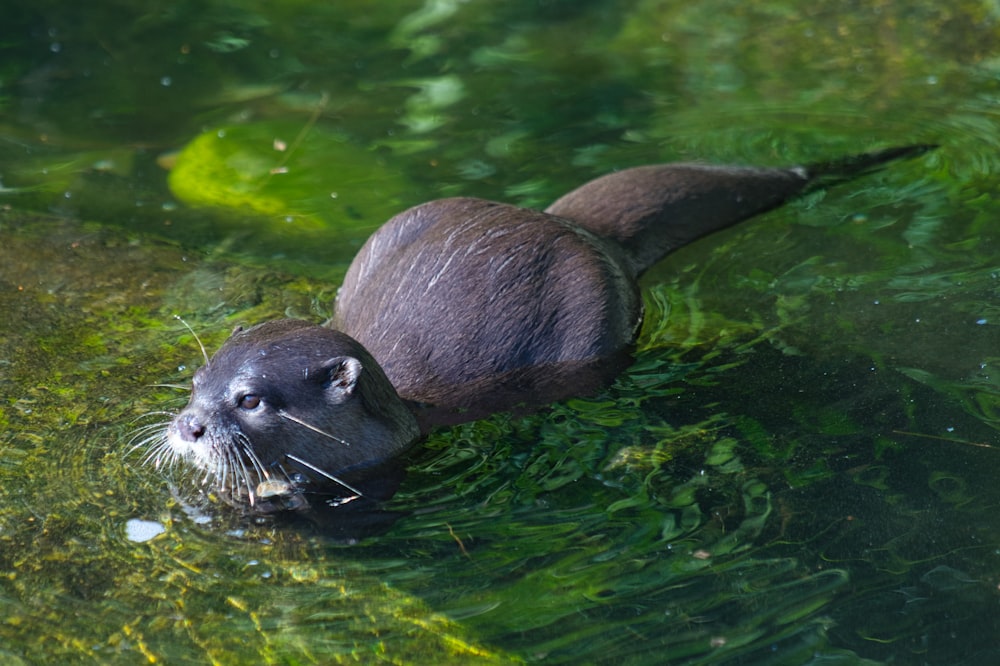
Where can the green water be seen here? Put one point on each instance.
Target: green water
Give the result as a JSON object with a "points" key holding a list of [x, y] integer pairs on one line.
{"points": [[798, 469]]}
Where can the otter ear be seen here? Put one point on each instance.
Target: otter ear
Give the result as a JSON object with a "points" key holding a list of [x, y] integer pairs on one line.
{"points": [[342, 374]]}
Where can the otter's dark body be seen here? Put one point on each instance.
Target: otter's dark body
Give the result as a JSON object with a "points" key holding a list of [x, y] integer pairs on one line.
{"points": [[469, 304], [469, 307]]}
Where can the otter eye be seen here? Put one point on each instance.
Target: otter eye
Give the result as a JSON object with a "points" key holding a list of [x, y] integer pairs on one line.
{"points": [[249, 401]]}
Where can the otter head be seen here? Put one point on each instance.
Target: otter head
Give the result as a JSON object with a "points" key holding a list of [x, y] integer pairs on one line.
{"points": [[289, 403]]}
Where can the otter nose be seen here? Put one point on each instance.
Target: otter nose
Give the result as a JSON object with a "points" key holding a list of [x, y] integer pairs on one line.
{"points": [[189, 427]]}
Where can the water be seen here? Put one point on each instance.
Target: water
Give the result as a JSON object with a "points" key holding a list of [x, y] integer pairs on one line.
{"points": [[797, 469]]}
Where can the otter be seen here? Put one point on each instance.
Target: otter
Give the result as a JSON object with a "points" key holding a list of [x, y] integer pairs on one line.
{"points": [[455, 309]]}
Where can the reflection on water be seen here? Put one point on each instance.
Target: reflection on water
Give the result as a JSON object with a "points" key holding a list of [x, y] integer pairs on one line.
{"points": [[798, 467]]}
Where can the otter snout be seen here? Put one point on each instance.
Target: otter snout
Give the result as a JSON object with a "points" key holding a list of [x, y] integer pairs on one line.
{"points": [[189, 427], [190, 436]]}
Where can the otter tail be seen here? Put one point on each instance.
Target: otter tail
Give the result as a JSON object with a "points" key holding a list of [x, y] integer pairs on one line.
{"points": [[825, 174], [650, 211]]}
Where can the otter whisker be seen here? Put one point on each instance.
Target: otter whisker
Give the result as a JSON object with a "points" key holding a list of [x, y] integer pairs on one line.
{"points": [[196, 338], [255, 465], [321, 472], [285, 415], [211, 472], [152, 438], [251, 455], [159, 412], [219, 470], [147, 434], [157, 452], [236, 469], [226, 482], [141, 430], [240, 475]]}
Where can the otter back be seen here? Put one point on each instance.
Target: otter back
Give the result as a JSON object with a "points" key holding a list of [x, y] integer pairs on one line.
{"points": [[474, 305]]}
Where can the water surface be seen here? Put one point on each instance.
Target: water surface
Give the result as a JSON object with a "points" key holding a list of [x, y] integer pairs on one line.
{"points": [[799, 468]]}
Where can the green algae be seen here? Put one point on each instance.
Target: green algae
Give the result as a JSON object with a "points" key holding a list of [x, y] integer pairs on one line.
{"points": [[75, 588], [302, 177]]}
